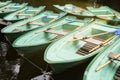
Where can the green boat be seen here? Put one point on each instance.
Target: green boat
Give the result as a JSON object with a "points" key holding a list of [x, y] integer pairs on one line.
{"points": [[107, 24], [74, 10], [12, 7], [105, 65], [105, 13], [25, 13], [2, 4], [36, 41], [15, 30], [78, 47]]}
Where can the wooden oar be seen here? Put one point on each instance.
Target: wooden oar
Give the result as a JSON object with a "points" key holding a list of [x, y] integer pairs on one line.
{"points": [[19, 12], [50, 28], [36, 11], [103, 44], [37, 19], [53, 20], [15, 6], [24, 15], [56, 26], [89, 36], [28, 22], [106, 63]]}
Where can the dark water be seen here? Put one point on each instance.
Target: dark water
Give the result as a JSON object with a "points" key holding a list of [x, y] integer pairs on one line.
{"points": [[27, 70]]}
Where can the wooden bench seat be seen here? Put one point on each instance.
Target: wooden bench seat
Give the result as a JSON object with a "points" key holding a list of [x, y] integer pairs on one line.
{"points": [[90, 44]]}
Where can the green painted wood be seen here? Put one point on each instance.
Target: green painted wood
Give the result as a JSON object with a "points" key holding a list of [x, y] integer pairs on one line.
{"points": [[105, 12], [75, 10], [25, 13], [34, 41], [62, 54], [15, 30], [108, 72], [12, 7], [107, 23], [2, 4]]}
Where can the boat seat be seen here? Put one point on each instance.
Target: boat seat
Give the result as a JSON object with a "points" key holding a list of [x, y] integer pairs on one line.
{"points": [[37, 23], [89, 45], [94, 40], [56, 32], [117, 74], [112, 54]]}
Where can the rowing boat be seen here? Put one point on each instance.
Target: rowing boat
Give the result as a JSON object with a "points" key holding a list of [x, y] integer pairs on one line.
{"points": [[12, 7], [36, 41], [25, 13], [74, 10], [39, 21], [105, 12], [2, 4], [78, 47], [105, 65], [110, 24]]}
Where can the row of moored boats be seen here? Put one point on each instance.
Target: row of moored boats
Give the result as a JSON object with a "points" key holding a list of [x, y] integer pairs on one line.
{"points": [[66, 40]]}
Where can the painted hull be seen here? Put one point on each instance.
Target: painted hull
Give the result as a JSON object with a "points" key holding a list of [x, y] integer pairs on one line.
{"points": [[35, 40], [108, 71], [66, 53], [74, 10], [12, 7], [107, 24], [105, 13], [24, 14], [2, 4], [15, 30]]}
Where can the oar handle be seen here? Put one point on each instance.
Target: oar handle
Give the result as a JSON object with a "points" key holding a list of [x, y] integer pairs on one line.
{"points": [[90, 36], [108, 62], [94, 48], [52, 20], [19, 12], [117, 56], [29, 22], [102, 66], [106, 41], [40, 31], [97, 35]]}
